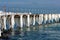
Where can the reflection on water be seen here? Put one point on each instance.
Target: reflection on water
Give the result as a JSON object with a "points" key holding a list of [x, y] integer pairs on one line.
{"points": [[42, 32]]}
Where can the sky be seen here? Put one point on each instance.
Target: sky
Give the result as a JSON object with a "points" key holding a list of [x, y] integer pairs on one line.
{"points": [[30, 3]]}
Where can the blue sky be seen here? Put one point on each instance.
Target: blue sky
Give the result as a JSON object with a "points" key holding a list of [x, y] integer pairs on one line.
{"points": [[31, 3]]}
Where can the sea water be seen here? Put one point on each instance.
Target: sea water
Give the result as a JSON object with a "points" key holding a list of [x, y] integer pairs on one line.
{"points": [[42, 32], [40, 10]]}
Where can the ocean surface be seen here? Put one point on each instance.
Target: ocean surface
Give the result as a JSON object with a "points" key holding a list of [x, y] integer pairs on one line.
{"points": [[42, 32], [41, 10]]}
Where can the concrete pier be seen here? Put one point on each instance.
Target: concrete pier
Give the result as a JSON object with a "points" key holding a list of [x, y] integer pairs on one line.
{"points": [[41, 18], [27, 18]]}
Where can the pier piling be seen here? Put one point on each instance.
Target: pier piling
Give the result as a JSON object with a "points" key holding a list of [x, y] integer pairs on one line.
{"points": [[26, 19]]}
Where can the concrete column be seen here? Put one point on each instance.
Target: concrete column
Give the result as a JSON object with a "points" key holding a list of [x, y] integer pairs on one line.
{"points": [[59, 15], [0, 32], [12, 21], [40, 19], [53, 17], [21, 21], [56, 17], [59, 18], [34, 20], [45, 18], [4, 17], [0, 26], [28, 20], [49, 18]]}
